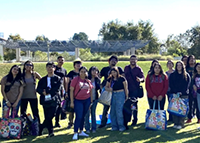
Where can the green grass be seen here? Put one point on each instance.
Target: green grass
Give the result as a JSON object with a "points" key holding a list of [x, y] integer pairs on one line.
{"points": [[134, 134]]}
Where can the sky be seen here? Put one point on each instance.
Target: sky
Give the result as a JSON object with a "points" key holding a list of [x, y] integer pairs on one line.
{"points": [[60, 19]]}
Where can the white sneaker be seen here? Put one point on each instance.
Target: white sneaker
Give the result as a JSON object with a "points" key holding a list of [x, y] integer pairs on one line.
{"points": [[179, 127], [75, 136], [83, 134], [175, 126]]}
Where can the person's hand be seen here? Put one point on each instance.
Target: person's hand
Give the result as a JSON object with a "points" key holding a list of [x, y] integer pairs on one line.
{"points": [[44, 92], [110, 89], [15, 104], [154, 98], [8, 104], [137, 79], [72, 105], [160, 98]]}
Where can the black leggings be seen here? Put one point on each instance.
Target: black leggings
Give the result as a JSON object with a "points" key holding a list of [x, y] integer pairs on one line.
{"points": [[34, 107]]}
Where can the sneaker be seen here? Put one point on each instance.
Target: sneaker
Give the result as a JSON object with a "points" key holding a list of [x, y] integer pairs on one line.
{"points": [[188, 121], [83, 134], [175, 126], [134, 123], [93, 131], [51, 135], [57, 125], [121, 130], [88, 131], [75, 136], [101, 126], [198, 121], [69, 126], [179, 127], [114, 129]]}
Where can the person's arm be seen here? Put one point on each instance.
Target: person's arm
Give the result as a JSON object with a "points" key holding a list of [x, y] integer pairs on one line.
{"points": [[40, 88], [166, 86], [148, 88], [126, 88], [171, 84], [37, 75], [66, 86], [19, 96], [72, 97], [140, 75], [3, 92], [107, 87]]}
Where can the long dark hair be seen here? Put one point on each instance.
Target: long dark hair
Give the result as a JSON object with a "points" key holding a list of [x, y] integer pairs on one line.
{"points": [[188, 60], [151, 67], [116, 70], [24, 71], [184, 73], [195, 70], [90, 71], [161, 70], [10, 75], [83, 67]]}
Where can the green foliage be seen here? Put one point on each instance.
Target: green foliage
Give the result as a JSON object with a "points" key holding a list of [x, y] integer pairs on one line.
{"points": [[80, 36], [9, 54], [115, 30], [85, 54], [54, 54], [67, 57]]}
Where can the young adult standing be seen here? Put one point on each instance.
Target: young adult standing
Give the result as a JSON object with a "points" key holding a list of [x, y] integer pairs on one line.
{"points": [[196, 88], [134, 76], [179, 82], [81, 99], [93, 75], [170, 66], [29, 77], [156, 86], [192, 104], [105, 72], [12, 89], [49, 90], [62, 73], [184, 59], [71, 75], [117, 84]]}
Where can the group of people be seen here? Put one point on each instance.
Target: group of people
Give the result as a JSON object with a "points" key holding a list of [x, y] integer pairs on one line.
{"points": [[83, 88]]}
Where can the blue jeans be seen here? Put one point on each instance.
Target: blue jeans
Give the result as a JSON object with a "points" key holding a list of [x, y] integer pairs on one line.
{"points": [[81, 107], [116, 112], [6, 110], [93, 117]]}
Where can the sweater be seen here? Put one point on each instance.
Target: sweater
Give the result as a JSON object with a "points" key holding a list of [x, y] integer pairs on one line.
{"points": [[178, 83], [156, 85]]}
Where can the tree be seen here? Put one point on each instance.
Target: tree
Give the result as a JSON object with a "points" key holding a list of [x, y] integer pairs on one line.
{"points": [[174, 47], [115, 30], [41, 38], [80, 36], [10, 54]]}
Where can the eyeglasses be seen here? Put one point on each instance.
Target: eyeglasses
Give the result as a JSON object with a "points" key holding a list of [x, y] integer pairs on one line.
{"points": [[29, 65]]}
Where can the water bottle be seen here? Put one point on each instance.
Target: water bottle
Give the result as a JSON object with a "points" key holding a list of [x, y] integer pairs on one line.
{"points": [[29, 117]]}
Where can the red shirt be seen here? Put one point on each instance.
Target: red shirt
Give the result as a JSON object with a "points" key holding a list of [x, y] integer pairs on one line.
{"points": [[157, 85], [84, 85]]}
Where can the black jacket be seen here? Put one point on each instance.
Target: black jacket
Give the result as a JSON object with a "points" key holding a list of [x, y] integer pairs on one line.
{"points": [[178, 83], [53, 91]]}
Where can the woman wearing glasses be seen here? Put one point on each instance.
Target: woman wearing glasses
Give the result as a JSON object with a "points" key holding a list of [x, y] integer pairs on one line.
{"points": [[29, 77]]}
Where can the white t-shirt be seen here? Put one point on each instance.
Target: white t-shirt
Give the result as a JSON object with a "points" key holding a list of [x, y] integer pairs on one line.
{"points": [[49, 82]]}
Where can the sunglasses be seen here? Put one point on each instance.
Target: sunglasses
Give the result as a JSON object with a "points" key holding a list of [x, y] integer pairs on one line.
{"points": [[29, 65]]}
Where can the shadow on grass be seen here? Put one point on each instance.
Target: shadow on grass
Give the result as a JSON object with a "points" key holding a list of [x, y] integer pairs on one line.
{"points": [[140, 134]]}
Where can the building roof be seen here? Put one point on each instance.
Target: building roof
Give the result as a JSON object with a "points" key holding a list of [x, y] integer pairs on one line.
{"points": [[61, 46]]}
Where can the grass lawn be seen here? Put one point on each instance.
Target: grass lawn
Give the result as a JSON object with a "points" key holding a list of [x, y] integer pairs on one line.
{"points": [[134, 134]]}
